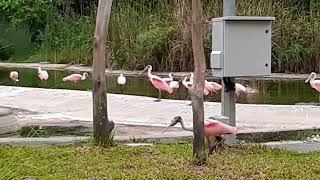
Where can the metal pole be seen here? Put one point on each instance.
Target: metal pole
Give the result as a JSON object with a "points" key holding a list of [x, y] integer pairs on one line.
{"points": [[228, 107]]}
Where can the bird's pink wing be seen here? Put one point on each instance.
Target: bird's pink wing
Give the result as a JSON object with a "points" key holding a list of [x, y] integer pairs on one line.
{"points": [[316, 85], [217, 128], [160, 84]]}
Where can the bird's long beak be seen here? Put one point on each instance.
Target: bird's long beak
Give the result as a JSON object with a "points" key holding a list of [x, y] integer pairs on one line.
{"points": [[166, 129], [143, 70]]}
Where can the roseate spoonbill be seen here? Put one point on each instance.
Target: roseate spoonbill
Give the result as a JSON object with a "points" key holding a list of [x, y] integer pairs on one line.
{"points": [[42, 74], [169, 79], [14, 75], [157, 82], [172, 84], [212, 128], [189, 85], [212, 86], [75, 78], [191, 77], [240, 89], [121, 80], [315, 84]]}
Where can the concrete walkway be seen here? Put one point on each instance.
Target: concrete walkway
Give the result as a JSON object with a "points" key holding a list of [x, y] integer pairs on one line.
{"points": [[56, 106]]}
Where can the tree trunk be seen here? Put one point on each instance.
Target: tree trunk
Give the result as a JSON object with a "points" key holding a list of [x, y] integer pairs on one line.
{"points": [[196, 93], [102, 126]]}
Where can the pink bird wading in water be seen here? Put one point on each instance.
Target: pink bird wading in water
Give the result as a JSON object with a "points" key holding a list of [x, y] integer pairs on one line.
{"points": [[210, 86], [14, 76], [240, 89], [159, 83], [42, 74], [75, 78], [212, 128], [189, 84], [315, 84]]}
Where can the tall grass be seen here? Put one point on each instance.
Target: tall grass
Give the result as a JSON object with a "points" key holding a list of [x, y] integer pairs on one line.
{"points": [[158, 32]]}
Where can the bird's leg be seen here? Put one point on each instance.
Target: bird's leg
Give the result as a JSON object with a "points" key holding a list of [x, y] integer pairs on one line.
{"points": [[210, 150], [190, 100], [121, 89], [220, 142], [159, 97], [212, 147]]}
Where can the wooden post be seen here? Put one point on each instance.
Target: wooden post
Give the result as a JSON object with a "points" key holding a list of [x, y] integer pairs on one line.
{"points": [[196, 93], [101, 124]]}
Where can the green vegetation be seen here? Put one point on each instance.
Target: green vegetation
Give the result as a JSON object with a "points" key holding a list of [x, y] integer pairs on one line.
{"points": [[153, 32], [162, 161]]}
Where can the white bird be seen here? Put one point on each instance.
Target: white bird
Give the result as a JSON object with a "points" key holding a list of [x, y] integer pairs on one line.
{"points": [[14, 75], [42, 74], [121, 80]]}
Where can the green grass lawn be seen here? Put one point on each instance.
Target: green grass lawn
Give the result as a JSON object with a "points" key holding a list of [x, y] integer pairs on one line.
{"points": [[162, 161]]}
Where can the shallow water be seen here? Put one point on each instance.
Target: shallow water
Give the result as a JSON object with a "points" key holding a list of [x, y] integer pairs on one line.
{"points": [[267, 91]]}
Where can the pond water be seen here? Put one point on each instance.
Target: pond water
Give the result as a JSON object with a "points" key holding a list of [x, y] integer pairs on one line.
{"points": [[268, 91]]}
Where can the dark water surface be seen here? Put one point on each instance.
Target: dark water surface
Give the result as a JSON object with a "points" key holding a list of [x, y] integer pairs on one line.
{"points": [[267, 91]]}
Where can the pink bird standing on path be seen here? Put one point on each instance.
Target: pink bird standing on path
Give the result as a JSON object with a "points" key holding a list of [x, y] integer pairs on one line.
{"points": [[14, 75], [158, 83], [75, 78], [212, 128], [42, 74]]}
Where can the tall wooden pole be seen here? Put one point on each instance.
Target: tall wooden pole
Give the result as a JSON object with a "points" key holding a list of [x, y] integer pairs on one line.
{"points": [[196, 93], [101, 124]]}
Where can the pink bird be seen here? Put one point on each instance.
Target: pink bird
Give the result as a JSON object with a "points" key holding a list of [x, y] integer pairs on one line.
{"points": [[240, 89], [212, 86], [315, 84], [158, 83], [42, 74], [212, 128], [75, 78], [14, 75], [189, 84]]}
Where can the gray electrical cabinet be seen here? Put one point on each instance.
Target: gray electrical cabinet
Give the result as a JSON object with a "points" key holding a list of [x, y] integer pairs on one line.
{"points": [[241, 46]]}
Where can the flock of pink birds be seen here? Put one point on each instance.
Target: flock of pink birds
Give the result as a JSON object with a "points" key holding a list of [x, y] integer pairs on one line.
{"points": [[43, 76], [212, 128], [168, 85]]}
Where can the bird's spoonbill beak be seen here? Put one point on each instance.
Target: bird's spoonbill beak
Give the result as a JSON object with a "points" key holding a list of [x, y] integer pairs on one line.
{"points": [[173, 123], [166, 129]]}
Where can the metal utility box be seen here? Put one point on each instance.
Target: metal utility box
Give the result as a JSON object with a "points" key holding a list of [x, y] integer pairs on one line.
{"points": [[241, 46]]}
